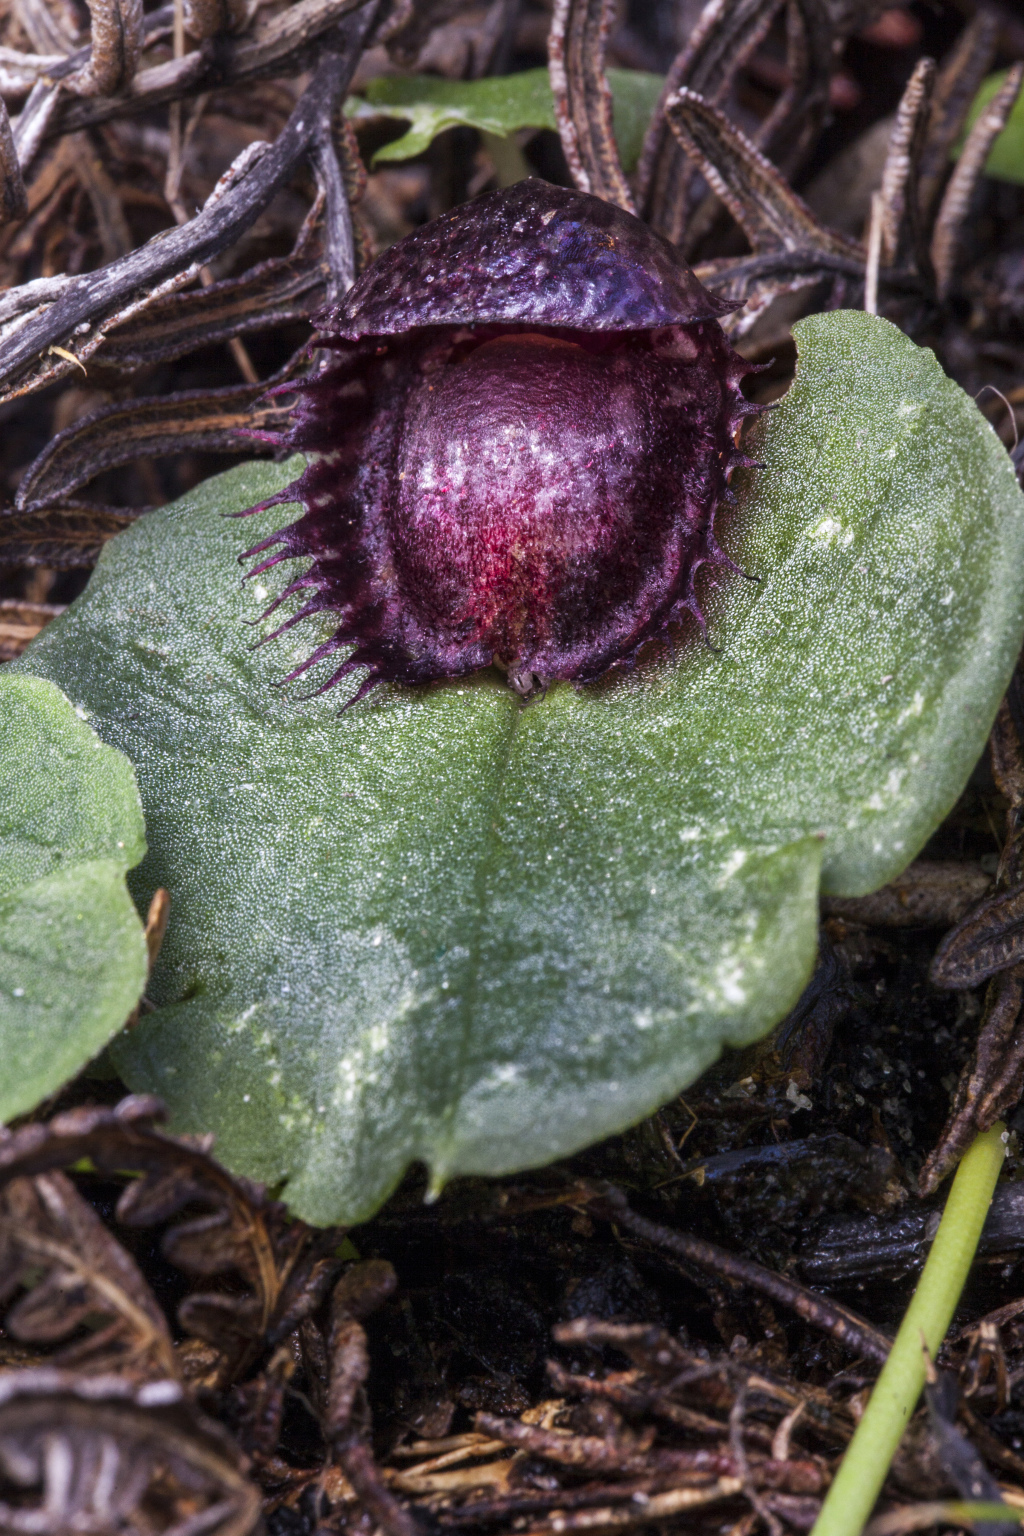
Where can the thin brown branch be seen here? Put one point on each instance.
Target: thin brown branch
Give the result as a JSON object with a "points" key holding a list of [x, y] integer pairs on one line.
{"points": [[280, 44], [94, 295], [844, 1325]]}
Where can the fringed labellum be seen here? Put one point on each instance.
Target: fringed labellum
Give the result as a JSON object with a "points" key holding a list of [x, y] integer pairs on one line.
{"points": [[517, 457]]}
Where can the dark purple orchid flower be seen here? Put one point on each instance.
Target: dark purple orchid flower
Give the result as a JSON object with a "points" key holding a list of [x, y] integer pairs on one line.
{"points": [[518, 455]]}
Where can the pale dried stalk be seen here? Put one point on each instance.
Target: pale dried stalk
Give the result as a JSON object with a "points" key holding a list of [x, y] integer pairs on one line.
{"points": [[95, 296], [20, 71], [51, 28], [956, 201], [583, 98], [277, 44], [726, 34], [34, 120], [13, 197], [116, 48], [207, 18], [899, 216], [956, 85], [874, 255], [768, 211], [658, 1507]]}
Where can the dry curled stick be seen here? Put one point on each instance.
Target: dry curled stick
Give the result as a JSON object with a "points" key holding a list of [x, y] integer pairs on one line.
{"points": [[583, 98], [66, 538], [770, 214], [101, 1454], [13, 197], [280, 43], [287, 1266], [956, 86], [205, 420], [43, 111], [844, 1325], [945, 246], [87, 298], [989, 939], [206, 18], [928, 894], [900, 210], [358, 1293], [74, 1273], [166, 322], [116, 45]]}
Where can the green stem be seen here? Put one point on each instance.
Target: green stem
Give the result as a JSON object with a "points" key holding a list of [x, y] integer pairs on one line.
{"points": [[863, 1469]]}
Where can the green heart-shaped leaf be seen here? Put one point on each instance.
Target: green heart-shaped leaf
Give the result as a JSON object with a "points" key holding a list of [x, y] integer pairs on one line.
{"points": [[72, 952], [450, 927], [499, 105]]}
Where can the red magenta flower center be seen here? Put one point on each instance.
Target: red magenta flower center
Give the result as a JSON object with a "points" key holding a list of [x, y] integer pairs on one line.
{"points": [[517, 457], [538, 478]]}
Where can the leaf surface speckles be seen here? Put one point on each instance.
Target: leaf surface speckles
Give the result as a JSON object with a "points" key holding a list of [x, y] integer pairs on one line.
{"points": [[447, 927], [72, 952]]}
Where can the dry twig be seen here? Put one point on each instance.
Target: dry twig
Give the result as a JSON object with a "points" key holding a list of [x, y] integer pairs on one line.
{"points": [[583, 98], [956, 201]]}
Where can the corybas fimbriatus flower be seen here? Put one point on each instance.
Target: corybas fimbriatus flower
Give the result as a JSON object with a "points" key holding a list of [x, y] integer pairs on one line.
{"points": [[517, 457]]}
